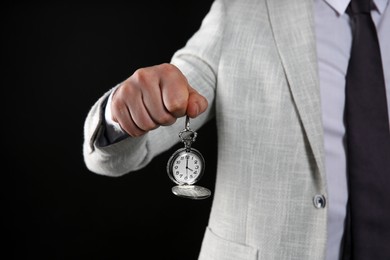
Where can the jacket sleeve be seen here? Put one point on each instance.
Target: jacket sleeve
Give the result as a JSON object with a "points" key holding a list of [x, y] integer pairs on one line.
{"points": [[198, 61]]}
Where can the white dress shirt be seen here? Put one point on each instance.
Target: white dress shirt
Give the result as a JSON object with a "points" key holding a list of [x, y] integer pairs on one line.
{"points": [[334, 39]]}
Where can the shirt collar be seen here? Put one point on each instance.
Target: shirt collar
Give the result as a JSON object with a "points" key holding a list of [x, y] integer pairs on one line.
{"points": [[341, 5]]}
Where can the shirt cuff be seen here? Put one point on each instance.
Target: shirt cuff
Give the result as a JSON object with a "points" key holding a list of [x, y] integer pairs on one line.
{"points": [[114, 132]]}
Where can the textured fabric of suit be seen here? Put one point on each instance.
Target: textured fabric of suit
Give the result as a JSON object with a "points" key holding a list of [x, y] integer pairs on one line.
{"points": [[255, 61]]}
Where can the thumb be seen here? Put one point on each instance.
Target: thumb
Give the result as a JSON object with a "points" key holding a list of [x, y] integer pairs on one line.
{"points": [[197, 103]]}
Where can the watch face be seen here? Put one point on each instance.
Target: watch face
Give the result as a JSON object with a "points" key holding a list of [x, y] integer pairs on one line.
{"points": [[186, 167]]}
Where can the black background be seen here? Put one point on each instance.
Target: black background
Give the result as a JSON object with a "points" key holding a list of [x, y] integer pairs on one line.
{"points": [[57, 60]]}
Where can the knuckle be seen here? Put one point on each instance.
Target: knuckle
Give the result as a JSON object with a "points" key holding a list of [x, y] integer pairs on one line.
{"points": [[168, 68], [172, 72], [127, 89], [142, 76]]}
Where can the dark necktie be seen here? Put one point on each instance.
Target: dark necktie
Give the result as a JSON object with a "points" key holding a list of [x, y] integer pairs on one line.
{"points": [[368, 142]]}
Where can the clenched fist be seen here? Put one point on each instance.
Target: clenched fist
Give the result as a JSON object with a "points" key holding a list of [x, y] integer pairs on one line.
{"points": [[155, 96]]}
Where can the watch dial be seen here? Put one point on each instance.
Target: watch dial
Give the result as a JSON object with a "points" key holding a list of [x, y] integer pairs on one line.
{"points": [[187, 167]]}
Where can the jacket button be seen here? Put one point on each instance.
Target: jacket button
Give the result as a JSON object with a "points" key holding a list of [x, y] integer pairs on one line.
{"points": [[319, 201]]}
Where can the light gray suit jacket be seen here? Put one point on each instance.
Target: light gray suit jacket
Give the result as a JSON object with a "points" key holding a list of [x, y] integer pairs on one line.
{"points": [[255, 61]]}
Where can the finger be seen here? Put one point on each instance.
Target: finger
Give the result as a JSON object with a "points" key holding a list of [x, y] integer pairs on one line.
{"points": [[129, 111], [152, 99], [147, 80], [197, 103], [121, 115], [140, 115], [174, 91]]}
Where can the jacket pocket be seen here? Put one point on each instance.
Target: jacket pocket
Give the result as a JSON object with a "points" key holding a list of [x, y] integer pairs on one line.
{"points": [[215, 247]]}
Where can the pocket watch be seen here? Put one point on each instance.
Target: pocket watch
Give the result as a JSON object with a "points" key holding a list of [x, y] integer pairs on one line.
{"points": [[186, 166]]}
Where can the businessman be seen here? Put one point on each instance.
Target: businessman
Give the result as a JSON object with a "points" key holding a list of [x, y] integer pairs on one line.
{"points": [[280, 79]]}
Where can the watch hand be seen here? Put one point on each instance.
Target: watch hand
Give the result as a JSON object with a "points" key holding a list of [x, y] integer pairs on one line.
{"points": [[190, 169], [187, 167]]}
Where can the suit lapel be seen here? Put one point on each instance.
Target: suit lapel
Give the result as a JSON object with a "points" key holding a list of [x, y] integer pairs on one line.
{"points": [[292, 24]]}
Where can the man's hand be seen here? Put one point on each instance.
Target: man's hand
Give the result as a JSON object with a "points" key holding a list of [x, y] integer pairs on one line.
{"points": [[154, 96]]}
